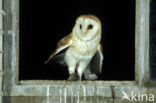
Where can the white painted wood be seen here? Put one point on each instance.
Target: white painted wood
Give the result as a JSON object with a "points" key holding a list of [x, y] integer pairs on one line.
{"points": [[142, 41], [1, 14], [1, 47]]}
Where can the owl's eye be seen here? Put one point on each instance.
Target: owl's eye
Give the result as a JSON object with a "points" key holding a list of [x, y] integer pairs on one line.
{"points": [[90, 26], [80, 26]]}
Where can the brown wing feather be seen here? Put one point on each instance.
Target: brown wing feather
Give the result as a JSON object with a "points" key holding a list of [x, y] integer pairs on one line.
{"points": [[62, 44]]}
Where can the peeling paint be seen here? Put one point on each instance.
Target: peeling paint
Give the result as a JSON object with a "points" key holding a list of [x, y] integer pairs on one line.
{"points": [[84, 92], [65, 95], [47, 94], [78, 100], [60, 95], [72, 95]]}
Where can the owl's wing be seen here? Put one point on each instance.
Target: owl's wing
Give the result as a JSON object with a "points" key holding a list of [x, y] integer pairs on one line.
{"points": [[100, 52], [95, 64], [61, 45]]}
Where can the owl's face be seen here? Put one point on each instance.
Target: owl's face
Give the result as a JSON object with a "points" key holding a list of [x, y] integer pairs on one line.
{"points": [[87, 27]]}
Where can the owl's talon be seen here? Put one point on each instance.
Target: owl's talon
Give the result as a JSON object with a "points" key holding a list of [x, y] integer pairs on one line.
{"points": [[73, 77], [92, 77]]}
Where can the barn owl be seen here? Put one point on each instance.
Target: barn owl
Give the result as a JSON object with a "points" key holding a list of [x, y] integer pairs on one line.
{"points": [[83, 50]]}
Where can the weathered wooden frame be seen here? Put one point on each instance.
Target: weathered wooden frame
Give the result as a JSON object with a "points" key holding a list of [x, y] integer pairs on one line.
{"points": [[107, 89]]}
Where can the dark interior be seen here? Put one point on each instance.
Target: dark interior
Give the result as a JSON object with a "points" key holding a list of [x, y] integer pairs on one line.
{"points": [[43, 23], [153, 40]]}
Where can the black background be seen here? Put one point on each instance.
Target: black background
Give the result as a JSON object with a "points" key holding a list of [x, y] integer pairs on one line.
{"points": [[153, 40], [43, 23]]}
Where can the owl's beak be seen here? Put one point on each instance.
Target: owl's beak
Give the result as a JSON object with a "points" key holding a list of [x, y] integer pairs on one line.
{"points": [[85, 33]]}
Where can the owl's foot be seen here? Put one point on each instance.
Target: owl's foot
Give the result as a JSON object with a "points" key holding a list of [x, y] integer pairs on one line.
{"points": [[73, 77], [91, 76]]}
